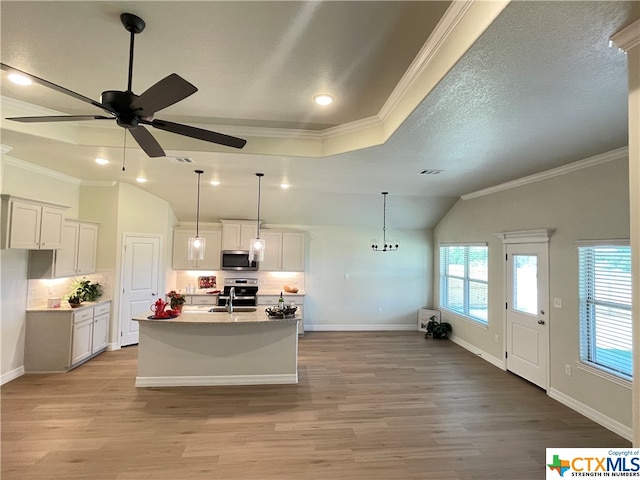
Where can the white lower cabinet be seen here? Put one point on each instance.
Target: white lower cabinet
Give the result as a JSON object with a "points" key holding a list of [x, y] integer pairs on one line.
{"points": [[265, 301], [57, 340]]}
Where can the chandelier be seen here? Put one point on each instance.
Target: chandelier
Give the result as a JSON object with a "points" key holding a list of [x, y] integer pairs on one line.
{"points": [[390, 246]]}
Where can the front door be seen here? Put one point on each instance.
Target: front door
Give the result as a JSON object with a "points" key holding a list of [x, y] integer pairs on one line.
{"points": [[527, 324], [140, 280]]}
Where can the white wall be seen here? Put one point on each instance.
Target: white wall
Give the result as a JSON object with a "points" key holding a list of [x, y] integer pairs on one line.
{"points": [[384, 289], [590, 203]]}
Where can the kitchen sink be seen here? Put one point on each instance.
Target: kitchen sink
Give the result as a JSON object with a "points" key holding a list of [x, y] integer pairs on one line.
{"points": [[235, 309]]}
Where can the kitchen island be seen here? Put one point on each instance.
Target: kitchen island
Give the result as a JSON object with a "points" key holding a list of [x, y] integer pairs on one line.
{"points": [[202, 348]]}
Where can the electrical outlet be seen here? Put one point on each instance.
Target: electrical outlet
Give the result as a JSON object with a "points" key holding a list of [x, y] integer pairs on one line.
{"points": [[346, 276], [379, 309], [567, 369], [557, 303]]}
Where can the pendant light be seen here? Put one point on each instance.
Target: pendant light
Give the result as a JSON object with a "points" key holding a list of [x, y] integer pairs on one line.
{"points": [[197, 244], [392, 246], [256, 249]]}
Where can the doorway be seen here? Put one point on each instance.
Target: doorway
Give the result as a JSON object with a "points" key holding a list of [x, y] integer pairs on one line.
{"points": [[527, 311]]}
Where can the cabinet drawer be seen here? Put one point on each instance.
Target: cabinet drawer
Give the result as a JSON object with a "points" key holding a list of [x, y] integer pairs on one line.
{"points": [[86, 313], [268, 299], [202, 300], [102, 309]]}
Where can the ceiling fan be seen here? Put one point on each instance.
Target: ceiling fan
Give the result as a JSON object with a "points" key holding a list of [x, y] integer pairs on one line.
{"points": [[133, 111]]}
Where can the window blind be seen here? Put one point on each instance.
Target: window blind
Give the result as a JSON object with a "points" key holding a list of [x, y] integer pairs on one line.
{"points": [[464, 280], [605, 308]]}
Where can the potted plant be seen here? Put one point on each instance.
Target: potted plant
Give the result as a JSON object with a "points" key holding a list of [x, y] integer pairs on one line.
{"points": [[437, 329], [83, 290], [176, 300]]}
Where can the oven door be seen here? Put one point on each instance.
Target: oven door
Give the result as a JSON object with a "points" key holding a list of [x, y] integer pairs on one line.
{"points": [[238, 300]]}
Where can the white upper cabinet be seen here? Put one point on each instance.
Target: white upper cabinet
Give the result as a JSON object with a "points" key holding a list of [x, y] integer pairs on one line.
{"points": [[284, 251], [211, 261], [30, 224], [237, 234], [76, 255]]}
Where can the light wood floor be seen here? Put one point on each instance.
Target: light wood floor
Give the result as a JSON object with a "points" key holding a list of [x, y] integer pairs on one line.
{"points": [[375, 405]]}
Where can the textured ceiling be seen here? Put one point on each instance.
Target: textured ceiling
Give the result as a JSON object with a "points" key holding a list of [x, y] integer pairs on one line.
{"points": [[538, 89]]}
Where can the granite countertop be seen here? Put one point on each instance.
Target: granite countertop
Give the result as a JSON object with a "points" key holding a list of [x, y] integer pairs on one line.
{"points": [[198, 316], [64, 306]]}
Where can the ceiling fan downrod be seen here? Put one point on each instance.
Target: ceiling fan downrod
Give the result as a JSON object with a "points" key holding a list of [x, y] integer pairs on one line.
{"points": [[133, 24]]}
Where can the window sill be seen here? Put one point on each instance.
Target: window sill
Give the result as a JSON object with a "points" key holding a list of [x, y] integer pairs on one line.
{"points": [[604, 375], [469, 320]]}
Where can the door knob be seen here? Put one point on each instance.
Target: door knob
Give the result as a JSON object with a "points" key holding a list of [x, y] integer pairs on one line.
{"points": [[540, 322]]}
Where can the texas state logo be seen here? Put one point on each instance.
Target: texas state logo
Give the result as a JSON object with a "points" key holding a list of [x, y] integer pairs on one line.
{"points": [[592, 462]]}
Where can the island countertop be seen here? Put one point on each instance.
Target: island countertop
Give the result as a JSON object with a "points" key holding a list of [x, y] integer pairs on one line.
{"points": [[198, 316]]}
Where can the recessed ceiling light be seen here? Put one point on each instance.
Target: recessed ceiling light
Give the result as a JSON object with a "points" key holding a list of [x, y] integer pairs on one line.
{"points": [[284, 186], [141, 180], [215, 183], [19, 79], [102, 161], [323, 99]]}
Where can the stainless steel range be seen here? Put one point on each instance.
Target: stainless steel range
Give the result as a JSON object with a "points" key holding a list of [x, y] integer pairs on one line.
{"points": [[244, 290]]}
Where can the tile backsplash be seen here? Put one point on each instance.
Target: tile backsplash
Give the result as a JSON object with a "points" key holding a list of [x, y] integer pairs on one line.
{"points": [[267, 281], [41, 290]]}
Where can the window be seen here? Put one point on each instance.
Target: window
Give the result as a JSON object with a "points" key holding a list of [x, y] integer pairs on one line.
{"points": [[464, 280], [605, 307]]}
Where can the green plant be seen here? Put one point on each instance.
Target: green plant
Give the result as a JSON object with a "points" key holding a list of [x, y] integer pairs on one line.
{"points": [[437, 329], [176, 298], [83, 290]]}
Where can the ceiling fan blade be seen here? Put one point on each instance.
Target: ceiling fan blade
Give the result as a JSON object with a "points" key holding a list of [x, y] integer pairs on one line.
{"points": [[166, 92], [146, 141], [57, 88], [60, 118], [199, 133]]}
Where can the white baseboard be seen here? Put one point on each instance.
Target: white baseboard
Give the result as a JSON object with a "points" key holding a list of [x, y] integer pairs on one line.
{"points": [[12, 375], [590, 413], [475, 350], [358, 328], [200, 381]]}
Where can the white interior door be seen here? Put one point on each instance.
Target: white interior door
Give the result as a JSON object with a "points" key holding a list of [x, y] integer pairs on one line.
{"points": [[527, 323], [140, 281]]}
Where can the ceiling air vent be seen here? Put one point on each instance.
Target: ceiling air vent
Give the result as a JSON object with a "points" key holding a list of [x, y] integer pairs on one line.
{"points": [[430, 172], [180, 159]]}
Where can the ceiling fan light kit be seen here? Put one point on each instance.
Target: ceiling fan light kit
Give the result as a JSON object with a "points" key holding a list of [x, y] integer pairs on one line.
{"points": [[390, 246], [132, 111]]}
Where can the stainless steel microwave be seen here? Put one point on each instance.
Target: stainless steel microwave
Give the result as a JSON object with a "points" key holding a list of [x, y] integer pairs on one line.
{"points": [[237, 260]]}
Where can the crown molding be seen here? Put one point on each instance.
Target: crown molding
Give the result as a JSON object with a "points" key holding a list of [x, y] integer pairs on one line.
{"points": [[628, 37], [8, 160], [611, 156], [4, 149], [91, 183]]}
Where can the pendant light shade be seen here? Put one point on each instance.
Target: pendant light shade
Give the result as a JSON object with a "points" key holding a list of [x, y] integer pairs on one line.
{"points": [[257, 246], [392, 245], [197, 244]]}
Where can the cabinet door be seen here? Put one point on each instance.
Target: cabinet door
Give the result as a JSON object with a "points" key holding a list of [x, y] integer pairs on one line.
{"points": [[293, 251], [230, 236], [81, 340], [87, 245], [211, 260], [247, 232], [65, 264], [272, 251], [100, 334], [52, 221], [25, 225]]}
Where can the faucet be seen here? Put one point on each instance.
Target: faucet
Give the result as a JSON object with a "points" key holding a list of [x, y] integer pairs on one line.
{"points": [[232, 295]]}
